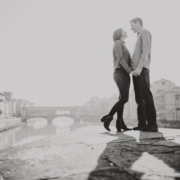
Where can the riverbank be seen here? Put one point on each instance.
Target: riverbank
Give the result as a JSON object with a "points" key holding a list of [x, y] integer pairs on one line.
{"points": [[6, 124], [93, 153]]}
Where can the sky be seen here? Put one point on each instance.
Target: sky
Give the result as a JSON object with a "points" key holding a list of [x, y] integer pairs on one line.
{"points": [[59, 52]]}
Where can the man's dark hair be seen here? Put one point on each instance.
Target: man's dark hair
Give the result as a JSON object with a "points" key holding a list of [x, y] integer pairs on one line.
{"points": [[135, 20]]}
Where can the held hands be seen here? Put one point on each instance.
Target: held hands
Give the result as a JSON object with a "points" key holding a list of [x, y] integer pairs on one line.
{"points": [[133, 73]]}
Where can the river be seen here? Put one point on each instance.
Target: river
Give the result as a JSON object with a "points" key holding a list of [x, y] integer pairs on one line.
{"points": [[37, 128]]}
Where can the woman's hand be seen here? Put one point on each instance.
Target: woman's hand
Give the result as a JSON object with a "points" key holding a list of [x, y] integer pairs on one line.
{"points": [[133, 73]]}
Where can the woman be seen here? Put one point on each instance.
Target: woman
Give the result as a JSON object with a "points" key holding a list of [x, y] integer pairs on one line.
{"points": [[122, 69]]}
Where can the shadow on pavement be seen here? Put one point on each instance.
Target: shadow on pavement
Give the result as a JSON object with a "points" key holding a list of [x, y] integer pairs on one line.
{"points": [[148, 156]]}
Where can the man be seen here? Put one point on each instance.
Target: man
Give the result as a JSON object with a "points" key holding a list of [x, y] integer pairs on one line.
{"points": [[141, 59]]}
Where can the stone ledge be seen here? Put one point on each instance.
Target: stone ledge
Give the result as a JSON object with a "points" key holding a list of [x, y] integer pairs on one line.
{"points": [[92, 153], [11, 126]]}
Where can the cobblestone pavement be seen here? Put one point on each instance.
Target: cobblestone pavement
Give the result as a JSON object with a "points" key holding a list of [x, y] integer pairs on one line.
{"points": [[94, 154]]}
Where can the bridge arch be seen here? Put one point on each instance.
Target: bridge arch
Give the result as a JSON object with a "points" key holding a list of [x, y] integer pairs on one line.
{"points": [[37, 123], [75, 112], [49, 119], [63, 121]]}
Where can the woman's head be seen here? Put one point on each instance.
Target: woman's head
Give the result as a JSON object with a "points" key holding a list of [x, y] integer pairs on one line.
{"points": [[119, 34]]}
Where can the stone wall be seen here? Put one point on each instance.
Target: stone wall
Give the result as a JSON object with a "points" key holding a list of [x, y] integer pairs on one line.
{"points": [[8, 122]]}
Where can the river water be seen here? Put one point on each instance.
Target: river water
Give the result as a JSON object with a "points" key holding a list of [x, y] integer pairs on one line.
{"points": [[37, 128]]}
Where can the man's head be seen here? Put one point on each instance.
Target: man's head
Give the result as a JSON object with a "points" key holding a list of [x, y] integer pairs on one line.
{"points": [[136, 24]]}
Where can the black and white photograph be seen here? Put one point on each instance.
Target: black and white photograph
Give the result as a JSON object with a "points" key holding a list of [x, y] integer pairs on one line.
{"points": [[90, 90]]}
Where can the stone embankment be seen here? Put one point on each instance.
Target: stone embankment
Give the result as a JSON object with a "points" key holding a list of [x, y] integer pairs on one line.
{"points": [[6, 124], [92, 153]]}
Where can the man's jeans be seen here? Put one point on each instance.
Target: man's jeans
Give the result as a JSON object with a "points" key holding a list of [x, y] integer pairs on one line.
{"points": [[145, 104], [122, 80]]}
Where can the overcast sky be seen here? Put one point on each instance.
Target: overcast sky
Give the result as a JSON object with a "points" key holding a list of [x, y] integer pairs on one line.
{"points": [[59, 52]]}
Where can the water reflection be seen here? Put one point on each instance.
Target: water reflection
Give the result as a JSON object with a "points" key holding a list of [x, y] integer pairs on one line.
{"points": [[37, 123], [35, 129], [64, 122], [39, 128]]}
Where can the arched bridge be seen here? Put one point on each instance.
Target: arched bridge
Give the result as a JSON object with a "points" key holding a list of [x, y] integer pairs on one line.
{"points": [[50, 113]]}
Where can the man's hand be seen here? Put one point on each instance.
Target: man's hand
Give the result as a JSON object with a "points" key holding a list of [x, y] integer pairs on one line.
{"points": [[133, 73], [136, 72]]}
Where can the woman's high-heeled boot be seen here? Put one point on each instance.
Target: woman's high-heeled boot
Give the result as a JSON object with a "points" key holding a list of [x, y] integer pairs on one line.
{"points": [[118, 125], [123, 126], [104, 118], [107, 119]]}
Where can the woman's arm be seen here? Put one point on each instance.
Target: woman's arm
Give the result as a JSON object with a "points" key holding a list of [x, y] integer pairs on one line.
{"points": [[119, 53]]}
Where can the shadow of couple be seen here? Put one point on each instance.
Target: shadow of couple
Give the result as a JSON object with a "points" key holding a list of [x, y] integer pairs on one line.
{"points": [[138, 155]]}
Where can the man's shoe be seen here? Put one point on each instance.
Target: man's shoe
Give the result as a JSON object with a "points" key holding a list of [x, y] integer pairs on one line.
{"points": [[149, 128], [138, 128]]}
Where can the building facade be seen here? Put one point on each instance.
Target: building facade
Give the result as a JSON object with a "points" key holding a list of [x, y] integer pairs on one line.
{"points": [[177, 102], [2, 105], [21, 106], [160, 105], [166, 99], [165, 94], [162, 84], [5, 106]]}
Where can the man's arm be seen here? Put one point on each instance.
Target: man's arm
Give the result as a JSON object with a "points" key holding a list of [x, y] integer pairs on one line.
{"points": [[119, 54], [146, 47]]}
